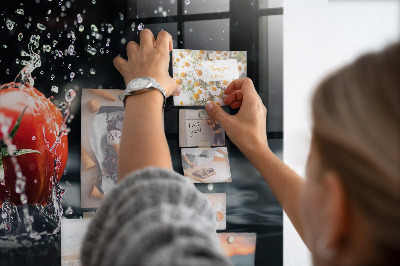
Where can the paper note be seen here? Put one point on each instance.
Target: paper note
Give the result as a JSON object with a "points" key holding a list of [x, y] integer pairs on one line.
{"points": [[197, 129], [202, 165], [218, 201], [203, 75]]}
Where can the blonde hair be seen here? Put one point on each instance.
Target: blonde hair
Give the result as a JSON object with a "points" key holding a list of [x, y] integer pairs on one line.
{"points": [[356, 114]]}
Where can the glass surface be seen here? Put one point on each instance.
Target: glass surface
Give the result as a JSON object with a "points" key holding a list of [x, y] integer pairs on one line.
{"points": [[271, 69], [151, 8], [270, 3], [107, 28], [207, 35], [205, 6]]}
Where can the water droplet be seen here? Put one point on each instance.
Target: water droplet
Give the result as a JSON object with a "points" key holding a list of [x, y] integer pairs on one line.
{"points": [[52, 77], [46, 48], [133, 26], [20, 36], [110, 28], [93, 2], [70, 95], [123, 41], [80, 19], [35, 180], [92, 71], [17, 61], [49, 12], [140, 26], [102, 50], [10, 24], [68, 4], [91, 50], [19, 186], [81, 28], [155, 11], [164, 13], [34, 138], [7, 71], [72, 75], [54, 43], [69, 211], [20, 11], [187, 2], [121, 16], [41, 26], [160, 9], [71, 50], [4, 46], [54, 89], [94, 28]]}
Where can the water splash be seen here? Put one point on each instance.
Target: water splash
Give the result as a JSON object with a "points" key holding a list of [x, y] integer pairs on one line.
{"points": [[25, 75]]}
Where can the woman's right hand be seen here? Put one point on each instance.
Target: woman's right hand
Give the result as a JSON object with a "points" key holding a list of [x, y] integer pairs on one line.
{"points": [[246, 129]]}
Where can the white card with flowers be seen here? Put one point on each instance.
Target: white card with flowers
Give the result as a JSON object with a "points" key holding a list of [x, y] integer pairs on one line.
{"points": [[203, 74]]}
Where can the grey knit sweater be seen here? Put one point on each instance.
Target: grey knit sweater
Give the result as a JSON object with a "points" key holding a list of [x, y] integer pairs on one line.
{"points": [[153, 217]]}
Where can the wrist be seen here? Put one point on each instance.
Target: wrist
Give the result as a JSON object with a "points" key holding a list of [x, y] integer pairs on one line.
{"points": [[150, 99]]}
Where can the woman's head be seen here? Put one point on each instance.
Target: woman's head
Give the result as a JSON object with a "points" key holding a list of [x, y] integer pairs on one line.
{"points": [[354, 166]]}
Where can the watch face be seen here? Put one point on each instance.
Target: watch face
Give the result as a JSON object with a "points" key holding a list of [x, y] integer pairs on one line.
{"points": [[140, 83]]}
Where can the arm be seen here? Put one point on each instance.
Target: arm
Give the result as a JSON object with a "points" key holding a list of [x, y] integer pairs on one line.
{"points": [[143, 140], [247, 129], [147, 218], [186, 159]]}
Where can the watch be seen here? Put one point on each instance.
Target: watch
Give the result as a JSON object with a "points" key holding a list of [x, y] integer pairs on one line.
{"points": [[141, 85]]}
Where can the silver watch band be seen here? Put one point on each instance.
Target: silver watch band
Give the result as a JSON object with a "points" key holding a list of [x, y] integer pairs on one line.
{"points": [[154, 85]]}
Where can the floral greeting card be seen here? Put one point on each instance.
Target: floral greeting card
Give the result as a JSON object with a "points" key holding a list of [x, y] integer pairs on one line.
{"points": [[203, 75]]}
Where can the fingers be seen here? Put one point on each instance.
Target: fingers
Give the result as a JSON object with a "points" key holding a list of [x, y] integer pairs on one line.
{"points": [[236, 96], [119, 63], [164, 41], [217, 112], [245, 85], [177, 92], [147, 40], [131, 49]]}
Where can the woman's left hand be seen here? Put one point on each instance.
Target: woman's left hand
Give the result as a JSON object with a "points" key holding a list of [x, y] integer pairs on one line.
{"points": [[150, 59]]}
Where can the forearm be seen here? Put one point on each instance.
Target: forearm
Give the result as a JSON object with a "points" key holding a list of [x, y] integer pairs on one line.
{"points": [[143, 141], [285, 183]]}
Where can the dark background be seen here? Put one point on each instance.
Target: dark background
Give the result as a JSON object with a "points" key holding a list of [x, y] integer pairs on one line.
{"points": [[254, 26]]}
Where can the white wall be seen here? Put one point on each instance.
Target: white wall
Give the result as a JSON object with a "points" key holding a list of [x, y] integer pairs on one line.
{"points": [[320, 36]]}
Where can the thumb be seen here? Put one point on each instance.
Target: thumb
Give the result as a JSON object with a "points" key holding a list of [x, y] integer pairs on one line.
{"points": [[217, 112]]}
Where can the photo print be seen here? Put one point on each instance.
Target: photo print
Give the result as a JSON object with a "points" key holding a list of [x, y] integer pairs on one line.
{"points": [[218, 201], [203, 74], [240, 248], [102, 114], [198, 129], [206, 165]]}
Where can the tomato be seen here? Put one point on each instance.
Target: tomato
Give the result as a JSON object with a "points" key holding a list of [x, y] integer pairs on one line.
{"points": [[42, 151]]}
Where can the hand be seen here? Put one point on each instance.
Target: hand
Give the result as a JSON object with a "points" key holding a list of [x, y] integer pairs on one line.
{"points": [[192, 164], [150, 59], [247, 129]]}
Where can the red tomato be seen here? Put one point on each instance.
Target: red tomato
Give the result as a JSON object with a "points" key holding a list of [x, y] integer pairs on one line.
{"points": [[39, 130]]}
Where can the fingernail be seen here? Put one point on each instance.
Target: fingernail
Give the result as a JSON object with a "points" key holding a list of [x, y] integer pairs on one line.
{"points": [[179, 90], [209, 106]]}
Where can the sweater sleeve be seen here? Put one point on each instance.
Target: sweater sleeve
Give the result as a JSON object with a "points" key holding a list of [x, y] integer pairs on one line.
{"points": [[154, 217]]}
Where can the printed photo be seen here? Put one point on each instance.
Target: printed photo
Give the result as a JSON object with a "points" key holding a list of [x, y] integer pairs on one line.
{"points": [[102, 114], [218, 201], [239, 247], [198, 129], [203, 74], [206, 165]]}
